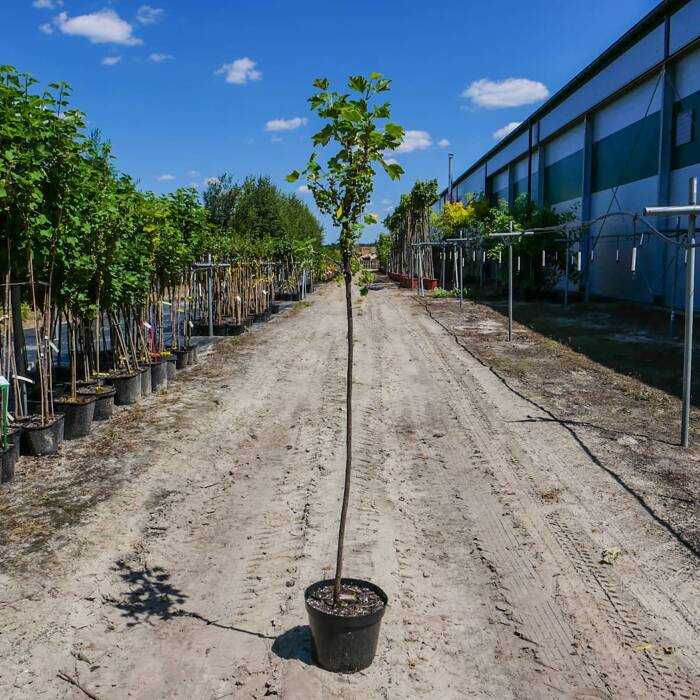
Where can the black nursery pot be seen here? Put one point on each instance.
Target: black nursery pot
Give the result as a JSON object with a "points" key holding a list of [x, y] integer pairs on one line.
{"points": [[43, 439], [274, 308], [7, 464], [170, 369], [128, 388], [145, 373], [345, 644], [159, 375], [192, 355], [78, 416], [104, 400], [181, 359]]}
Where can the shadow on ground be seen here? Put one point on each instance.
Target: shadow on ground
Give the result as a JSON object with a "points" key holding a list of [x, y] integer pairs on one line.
{"points": [[296, 644], [151, 595]]}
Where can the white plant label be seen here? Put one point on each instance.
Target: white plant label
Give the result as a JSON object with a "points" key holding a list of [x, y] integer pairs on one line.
{"points": [[3, 381], [24, 379], [191, 324], [53, 347], [147, 325]]}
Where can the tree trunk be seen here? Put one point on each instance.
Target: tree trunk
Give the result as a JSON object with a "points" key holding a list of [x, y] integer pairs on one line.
{"points": [[347, 273]]}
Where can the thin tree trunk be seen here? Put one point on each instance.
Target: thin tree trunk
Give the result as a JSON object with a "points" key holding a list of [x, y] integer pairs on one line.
{"points": [[348, 426]]}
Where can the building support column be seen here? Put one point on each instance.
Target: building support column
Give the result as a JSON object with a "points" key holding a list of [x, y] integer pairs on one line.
{"points": [[663, 194], [587, 182]]}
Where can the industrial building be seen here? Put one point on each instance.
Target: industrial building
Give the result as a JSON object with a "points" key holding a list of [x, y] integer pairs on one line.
{"points": [[620, 136]]}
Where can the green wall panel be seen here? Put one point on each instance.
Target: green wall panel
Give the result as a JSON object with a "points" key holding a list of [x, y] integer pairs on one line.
{"points": [[627, 155], [563, 180]]}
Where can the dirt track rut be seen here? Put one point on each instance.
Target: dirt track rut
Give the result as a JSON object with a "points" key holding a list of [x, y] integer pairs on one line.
{"points": [[483, 520]]}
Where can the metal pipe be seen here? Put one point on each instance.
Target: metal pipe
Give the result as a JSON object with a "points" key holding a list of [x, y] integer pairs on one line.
{"points": [[510, 290], [210, 295], [689, 310], [461, 276]]}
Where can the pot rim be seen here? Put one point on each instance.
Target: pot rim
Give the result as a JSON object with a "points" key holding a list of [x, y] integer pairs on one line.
{"points": [[357, 621]]}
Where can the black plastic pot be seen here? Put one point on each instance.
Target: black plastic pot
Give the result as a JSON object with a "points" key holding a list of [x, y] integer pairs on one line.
{"points": [[180, 359], [260, 318], [192, 355], [159, 375], [104, 401], [145, 373], [248, 321], [171, 369], [43, 439], [345, 644], [128, 388], [14, 435], [274, 307], [78, 416], [7, 464]]}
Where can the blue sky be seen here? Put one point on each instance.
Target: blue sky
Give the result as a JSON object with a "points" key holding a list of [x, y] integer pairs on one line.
{"points": [[188, 89]]}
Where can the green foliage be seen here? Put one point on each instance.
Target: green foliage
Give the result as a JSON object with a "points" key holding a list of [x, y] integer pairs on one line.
{"points": [[421, 197], [256, 218], [366, 278], [441, 293], [383, 245], [352, 144]]}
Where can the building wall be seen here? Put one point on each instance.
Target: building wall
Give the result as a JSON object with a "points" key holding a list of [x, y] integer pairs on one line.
{"points": [[617, 116]]}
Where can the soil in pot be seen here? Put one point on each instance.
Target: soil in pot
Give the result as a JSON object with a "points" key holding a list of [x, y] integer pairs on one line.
{"points": [[159, 375], [181, 359], [7, 464], [78, 413], [43, 439], [145, 373], [127, 386], [104, 400], [345, 638]]}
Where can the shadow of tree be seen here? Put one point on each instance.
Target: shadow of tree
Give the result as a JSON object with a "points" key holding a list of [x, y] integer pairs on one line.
{"points": [[152, 595], [297, 644]]}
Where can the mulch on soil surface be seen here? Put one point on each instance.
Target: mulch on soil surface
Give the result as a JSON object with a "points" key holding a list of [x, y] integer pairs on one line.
{"points": [[355, 601]]}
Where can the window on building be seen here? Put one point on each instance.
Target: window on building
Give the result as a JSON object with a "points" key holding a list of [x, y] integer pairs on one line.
{"points": [[684, 128]]}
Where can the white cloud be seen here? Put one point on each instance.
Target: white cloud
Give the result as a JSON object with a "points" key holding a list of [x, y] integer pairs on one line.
{"points": [[212, 181], [160, 57], [111, 60], [194, 173], [47, 4], [285, 124], [46, 28], [443, 143], [391, 161], [511, 92], [149, 15], [240, 71], [165, 177], [386, 202], [303, 189], [103, 27], [414, 141], [504, 131]]}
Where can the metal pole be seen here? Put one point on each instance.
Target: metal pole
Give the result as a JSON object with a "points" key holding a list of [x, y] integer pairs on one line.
{"points": [[566, 274], [689, 310], [461, 274], [450, 156], [443, 254], [419, 250], [210, 295], [510, 289]]}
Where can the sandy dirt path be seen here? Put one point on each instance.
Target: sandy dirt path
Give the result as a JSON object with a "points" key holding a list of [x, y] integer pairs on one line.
{"points": [[484, 525]]}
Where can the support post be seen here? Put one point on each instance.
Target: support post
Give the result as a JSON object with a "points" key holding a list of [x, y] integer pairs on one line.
{"points": [[461, 273], [510, 288], [566, 273], [210, 295], [689, 310]]}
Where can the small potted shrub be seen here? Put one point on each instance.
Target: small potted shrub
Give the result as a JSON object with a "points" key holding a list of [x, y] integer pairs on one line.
{"points": [[345, 613]]}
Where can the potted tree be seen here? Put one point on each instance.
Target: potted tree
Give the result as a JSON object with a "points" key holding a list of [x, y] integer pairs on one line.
{"points": [[345, 613]]}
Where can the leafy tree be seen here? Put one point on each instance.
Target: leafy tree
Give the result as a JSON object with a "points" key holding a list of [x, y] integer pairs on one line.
{"points": [[354, 146]]}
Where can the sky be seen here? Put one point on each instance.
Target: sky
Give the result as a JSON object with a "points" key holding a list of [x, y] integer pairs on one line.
{"points": [[189, 89]]}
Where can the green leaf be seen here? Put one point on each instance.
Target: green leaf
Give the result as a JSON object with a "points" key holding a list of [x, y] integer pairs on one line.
{"points": [[293, 176]]}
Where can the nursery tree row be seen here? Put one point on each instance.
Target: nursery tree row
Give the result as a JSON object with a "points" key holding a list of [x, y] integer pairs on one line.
{"points": [[107, 269]]}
